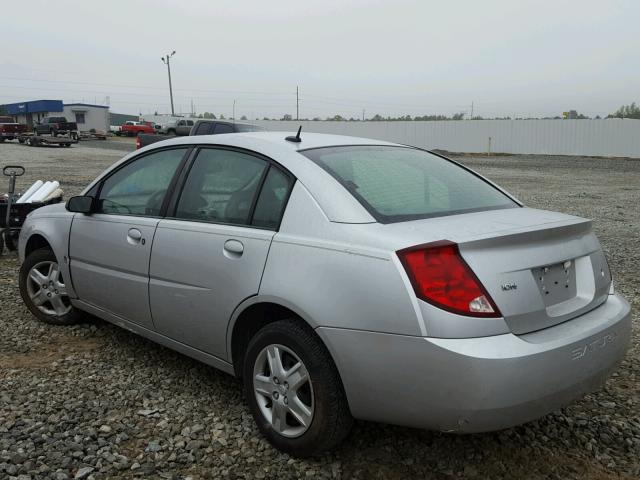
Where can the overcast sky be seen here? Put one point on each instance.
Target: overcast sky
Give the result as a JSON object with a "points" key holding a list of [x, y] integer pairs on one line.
{"points": [[508, 57]]}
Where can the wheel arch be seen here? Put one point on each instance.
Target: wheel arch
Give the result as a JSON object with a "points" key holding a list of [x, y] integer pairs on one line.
{"points": [[253, 314], [35, 242], [50, 232]]}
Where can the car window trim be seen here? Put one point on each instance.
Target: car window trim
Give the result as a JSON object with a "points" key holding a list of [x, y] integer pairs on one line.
{"points": [[271, 163], [169, 191]]}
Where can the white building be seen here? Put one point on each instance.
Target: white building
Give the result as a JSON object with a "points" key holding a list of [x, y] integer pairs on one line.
{"points": [[87, 116]]}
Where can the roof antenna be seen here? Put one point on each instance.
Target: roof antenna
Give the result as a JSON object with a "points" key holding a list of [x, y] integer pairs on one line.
{"points": [[295, 139]]}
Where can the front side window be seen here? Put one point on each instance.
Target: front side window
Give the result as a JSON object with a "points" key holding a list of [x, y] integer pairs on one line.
{"points": [[202, 128], [221, 187], [401, 183], [139, 187]]}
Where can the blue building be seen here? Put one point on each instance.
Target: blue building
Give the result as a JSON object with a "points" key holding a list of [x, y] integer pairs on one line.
{"points": [[87, 116], [34, 111]]}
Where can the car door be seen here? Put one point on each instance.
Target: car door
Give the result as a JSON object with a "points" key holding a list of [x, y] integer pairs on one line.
{"points": [[209, 256], [109, 250]]}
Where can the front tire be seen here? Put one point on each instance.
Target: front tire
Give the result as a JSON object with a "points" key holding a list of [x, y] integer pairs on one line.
{"points": [[294, 390], [43, 289]]}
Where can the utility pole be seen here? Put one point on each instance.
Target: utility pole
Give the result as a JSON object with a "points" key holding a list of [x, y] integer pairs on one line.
{"points": [[471, 110], [363, 114], [234, 111], [297, 105], [167, 61]]}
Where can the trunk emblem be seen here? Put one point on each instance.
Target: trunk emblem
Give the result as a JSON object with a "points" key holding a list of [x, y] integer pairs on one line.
{"points": [[508, 286]]}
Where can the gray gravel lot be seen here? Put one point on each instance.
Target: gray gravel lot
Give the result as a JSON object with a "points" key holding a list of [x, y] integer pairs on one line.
{"points": [[94, 401]]}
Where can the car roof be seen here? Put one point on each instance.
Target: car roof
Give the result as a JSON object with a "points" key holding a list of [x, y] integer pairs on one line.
{"points": [[278, 140]]}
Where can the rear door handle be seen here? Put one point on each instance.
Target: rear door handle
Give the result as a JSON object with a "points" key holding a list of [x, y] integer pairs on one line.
{"points": [[134, 236], [233, 247]]}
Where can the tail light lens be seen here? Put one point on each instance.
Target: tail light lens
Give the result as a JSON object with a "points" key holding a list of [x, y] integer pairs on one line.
{"points": [[138, 142], [441, 277]]}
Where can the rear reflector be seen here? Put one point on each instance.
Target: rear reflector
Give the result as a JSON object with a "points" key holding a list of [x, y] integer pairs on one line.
{"points": [[441, 277]]}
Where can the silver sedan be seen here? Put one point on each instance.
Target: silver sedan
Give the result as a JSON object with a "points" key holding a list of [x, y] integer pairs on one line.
{"points": [[339, 278]]}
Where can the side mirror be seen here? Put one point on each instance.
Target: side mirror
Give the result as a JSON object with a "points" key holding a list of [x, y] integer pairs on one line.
{"points": [[80, 204]]}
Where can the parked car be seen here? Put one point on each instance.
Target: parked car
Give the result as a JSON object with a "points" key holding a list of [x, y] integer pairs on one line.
{"points": [[338, 277], [134, 128], [180, 126], [202, 127], [9, 129], [56, 126]]}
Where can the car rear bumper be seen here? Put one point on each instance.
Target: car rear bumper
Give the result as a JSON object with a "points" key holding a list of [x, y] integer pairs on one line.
{"points": [[478, 384]]}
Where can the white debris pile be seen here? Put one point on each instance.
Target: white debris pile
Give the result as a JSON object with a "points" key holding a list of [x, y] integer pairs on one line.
{"points": [[41, 192]]}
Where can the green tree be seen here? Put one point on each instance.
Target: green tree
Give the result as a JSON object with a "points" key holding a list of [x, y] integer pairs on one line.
{"points": [[626, 111]]}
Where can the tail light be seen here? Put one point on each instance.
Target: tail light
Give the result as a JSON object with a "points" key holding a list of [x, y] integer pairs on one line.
{"points": [[441, 277], [138, 145]]}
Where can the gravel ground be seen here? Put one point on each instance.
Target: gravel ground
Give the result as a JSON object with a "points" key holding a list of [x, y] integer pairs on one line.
{"points": [[94, 401]]}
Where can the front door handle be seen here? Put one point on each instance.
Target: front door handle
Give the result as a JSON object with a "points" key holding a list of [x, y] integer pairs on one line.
{"points": [[134, 236], [233, 248]]}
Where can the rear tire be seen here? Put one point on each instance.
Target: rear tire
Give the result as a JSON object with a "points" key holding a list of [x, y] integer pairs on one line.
{"points": [[43, 289], [317, 397]]}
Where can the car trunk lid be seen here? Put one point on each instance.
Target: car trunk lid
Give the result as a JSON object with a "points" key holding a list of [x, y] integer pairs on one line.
{"points": [[540, 268]]}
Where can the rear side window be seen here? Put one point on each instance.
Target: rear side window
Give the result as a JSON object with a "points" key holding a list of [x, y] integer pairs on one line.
{"points": [[272, 199], [401, 183], [221, 187]]}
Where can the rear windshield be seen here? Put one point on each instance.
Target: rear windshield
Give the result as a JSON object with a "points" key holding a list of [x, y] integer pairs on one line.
{"points": [[397, 184]]}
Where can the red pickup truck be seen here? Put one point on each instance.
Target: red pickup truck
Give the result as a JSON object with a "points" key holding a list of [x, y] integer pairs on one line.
{"points": [[10, 129], [134, 128]]}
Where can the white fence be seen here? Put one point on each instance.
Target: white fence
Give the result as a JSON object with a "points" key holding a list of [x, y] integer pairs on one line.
{"points": [[609, 138]]}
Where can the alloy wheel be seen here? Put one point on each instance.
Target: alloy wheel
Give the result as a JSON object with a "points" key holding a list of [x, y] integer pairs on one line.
{"points": [[283, 390], [46, 289]]}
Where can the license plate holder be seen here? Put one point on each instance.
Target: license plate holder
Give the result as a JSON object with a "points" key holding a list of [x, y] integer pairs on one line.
{"points": [[556, 282]]}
